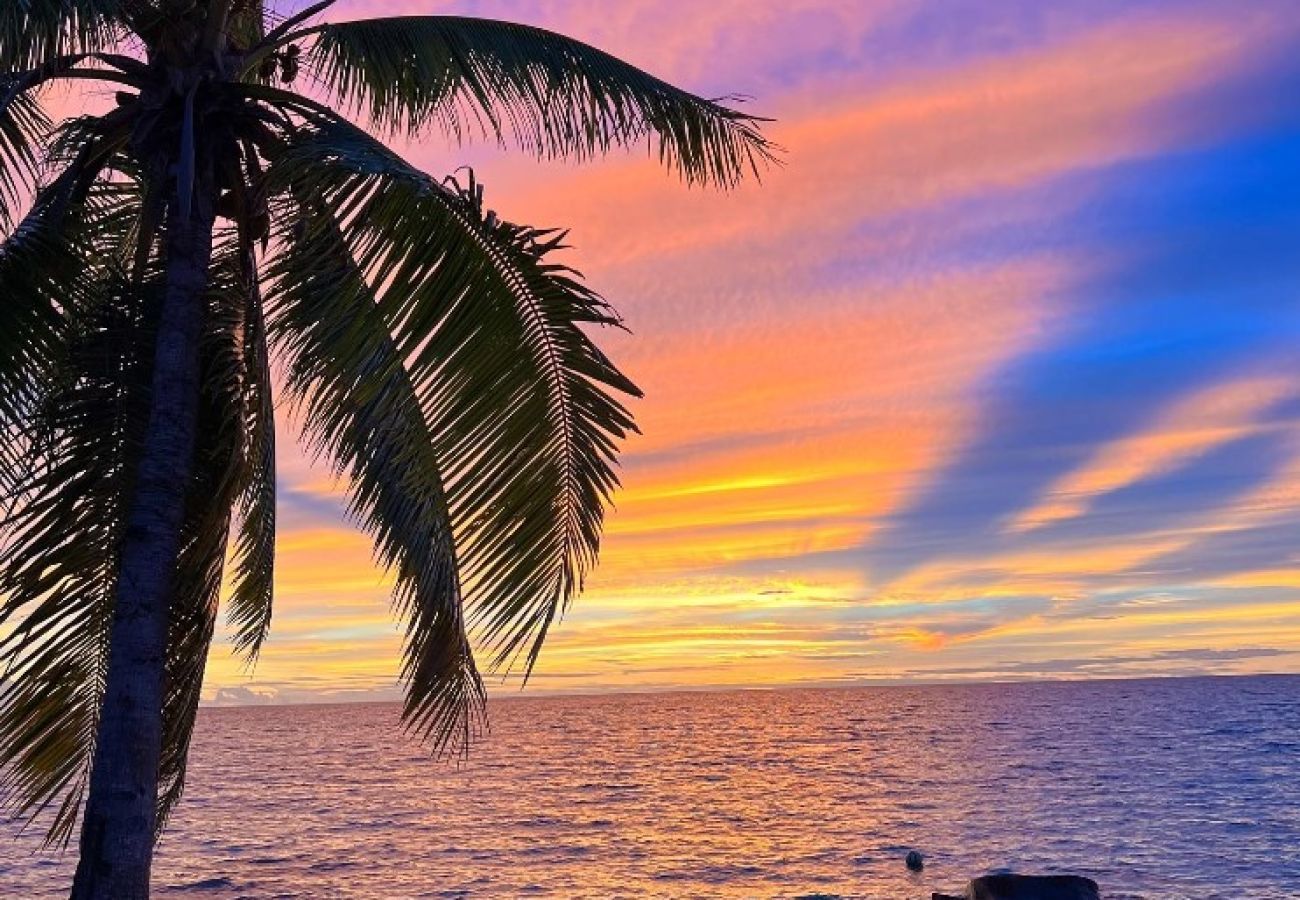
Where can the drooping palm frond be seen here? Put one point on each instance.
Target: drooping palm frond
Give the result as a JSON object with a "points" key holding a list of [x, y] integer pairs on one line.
{"points": [[517, 397], [58, 570], [360, 410], [250, 602], [72, 377], [555, 96]]}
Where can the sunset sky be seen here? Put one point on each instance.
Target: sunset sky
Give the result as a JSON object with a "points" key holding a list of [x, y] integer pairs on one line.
{"points": [[998, 376]]}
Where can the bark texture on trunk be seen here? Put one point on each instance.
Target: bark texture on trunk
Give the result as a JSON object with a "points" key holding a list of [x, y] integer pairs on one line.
{"points": [[118, 825]]}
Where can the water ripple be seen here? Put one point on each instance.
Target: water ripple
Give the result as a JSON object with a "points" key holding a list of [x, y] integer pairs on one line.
{"points": [[1160, 790]]}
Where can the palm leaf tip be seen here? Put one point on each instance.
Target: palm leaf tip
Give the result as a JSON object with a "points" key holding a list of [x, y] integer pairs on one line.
{"points": [[554, 96], [446, 703]]}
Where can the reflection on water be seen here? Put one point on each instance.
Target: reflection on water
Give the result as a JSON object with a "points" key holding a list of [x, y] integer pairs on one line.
{"points": [[1158, 789]]}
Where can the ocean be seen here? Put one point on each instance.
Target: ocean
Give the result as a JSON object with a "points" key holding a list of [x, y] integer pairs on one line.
{"points": [[1175, 788]]}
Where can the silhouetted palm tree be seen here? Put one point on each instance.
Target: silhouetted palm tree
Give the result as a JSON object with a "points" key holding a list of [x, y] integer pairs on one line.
{"points": [[436, 355]]}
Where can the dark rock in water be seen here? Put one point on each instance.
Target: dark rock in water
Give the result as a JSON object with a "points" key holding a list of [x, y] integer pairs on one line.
{"points": [[915, 861], [1033, 887], [1028, 887], [207, 884]]}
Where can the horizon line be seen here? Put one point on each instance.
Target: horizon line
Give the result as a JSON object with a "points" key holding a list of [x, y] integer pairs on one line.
{"points": [[774, 688]]}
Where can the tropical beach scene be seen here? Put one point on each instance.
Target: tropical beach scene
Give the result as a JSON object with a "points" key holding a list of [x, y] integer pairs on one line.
{"points": [[815, 450]]}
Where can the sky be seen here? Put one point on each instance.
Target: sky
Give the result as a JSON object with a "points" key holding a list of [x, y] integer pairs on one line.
{"points": [[996, 376]]}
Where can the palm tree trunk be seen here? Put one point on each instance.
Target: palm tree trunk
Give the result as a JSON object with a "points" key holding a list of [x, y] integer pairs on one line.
{"points": [[118, 825]]}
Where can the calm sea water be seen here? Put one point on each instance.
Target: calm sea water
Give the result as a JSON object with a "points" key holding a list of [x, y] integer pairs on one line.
{"points": [[1186, 788]]}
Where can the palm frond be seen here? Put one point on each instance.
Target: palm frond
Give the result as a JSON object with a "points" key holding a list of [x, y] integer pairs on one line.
{"points": [[46, 266], [250, 602], [22, 123], [25, 128], [517, 396], [555, 96], [58, 571], [72, 381], [39, 262], [33, 32], [360, 411]]}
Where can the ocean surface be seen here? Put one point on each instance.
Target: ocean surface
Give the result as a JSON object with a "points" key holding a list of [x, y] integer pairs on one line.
{"points": [[1180, 788]]}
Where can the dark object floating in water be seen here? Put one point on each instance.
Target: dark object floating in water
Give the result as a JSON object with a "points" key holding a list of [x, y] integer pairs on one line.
{"points": [[1028, 887], [915, 861], [207, 884]]}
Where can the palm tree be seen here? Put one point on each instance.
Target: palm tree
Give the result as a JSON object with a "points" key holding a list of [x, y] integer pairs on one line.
{"points": [[214, 220]]}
